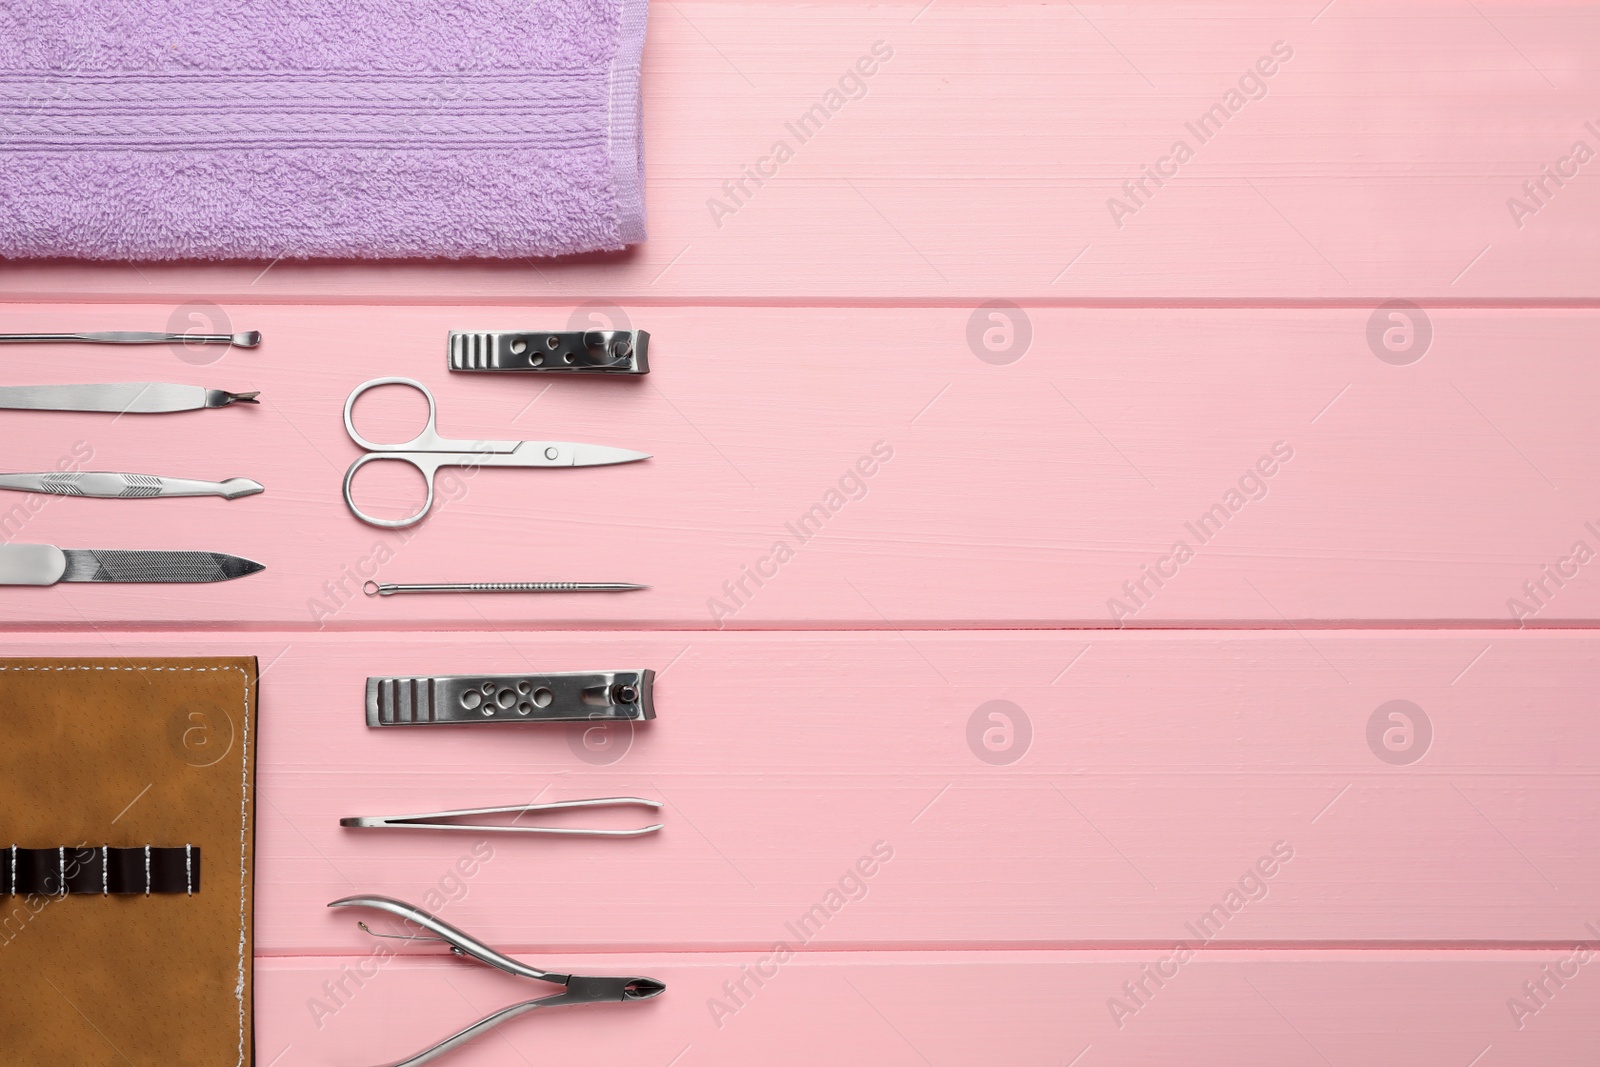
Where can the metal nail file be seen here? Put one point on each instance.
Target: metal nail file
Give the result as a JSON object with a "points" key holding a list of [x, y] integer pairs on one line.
{"points": [[582, 696], [106, 485], [248, 339], [131, 398], [47, 565], [573, 352]]}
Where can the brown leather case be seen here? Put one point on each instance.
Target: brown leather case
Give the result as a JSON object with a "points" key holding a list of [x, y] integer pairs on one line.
{"points": [[129, 753]]}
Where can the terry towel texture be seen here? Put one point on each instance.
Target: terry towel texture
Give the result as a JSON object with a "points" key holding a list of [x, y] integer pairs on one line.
{"points": [[258, 129]]}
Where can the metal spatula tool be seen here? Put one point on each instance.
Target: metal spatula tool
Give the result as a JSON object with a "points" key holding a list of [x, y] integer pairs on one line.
{"points": [[248, 339], [132, 398], [109, 485], [47, 565]]}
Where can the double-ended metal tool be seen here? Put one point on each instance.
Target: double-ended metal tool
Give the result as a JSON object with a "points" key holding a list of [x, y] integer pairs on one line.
{"points": [[443, 820], [248, 339], [577, 989], [105, 485], [386, 589]]}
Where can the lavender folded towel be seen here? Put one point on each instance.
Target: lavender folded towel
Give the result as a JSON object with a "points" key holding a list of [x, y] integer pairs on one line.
{"points": [[259, 129]]}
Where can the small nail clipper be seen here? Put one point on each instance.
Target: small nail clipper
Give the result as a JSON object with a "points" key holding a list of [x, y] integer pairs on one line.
{"points": [[578, 989], [608, 352]]}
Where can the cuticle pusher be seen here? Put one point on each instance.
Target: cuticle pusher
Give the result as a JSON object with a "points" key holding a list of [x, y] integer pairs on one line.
{"points": [[108, 485], [247, 339], [122, 398]]}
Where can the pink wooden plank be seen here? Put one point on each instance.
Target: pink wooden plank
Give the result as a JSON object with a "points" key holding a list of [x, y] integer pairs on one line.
{"points": [[983, 155], [915, 1009], [1040, 493], [1157, 774]]}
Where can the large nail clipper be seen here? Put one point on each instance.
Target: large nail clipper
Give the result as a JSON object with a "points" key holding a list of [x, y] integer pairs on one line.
{"points": [[579, 989], [566, 696]]}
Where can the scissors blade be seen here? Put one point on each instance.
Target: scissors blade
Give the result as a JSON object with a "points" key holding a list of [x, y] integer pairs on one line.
{"points": [[603, 455]]}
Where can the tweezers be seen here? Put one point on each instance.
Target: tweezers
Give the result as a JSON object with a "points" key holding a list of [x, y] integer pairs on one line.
{"points": [[579, 989], [440, 820]]}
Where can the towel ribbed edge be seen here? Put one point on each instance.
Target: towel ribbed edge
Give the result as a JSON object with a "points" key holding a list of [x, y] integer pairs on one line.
{"points": [[626, 144]]}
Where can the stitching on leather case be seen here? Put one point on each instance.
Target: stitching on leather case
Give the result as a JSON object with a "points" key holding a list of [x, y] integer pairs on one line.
{"points": [[244, 799]]}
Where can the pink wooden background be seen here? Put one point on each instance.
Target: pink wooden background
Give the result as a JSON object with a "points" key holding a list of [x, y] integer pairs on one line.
{"points": [[1157, 753]]}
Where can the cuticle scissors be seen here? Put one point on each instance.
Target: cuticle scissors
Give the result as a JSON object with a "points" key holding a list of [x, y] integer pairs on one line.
{"points": [[427, 452]]}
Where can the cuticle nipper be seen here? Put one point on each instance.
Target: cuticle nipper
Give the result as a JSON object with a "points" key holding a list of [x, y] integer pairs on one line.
{"points": [[579, 989]]}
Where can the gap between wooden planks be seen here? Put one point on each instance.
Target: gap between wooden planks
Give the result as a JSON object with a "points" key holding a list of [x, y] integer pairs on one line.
{"points": [[1048, 1008]]}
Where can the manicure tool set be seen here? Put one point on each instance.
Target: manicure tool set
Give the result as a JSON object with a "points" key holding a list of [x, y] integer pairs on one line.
{"points": [[594, 697], [455, 700], [586, 698]]}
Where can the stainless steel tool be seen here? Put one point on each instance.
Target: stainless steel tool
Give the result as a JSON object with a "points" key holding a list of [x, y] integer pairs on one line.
{"points": [[386, 589], [122, 486], [427, 452], [575, 696], [47, 565], [608, 352], [123, 398], [576, 988], [442, 820], [248, 339]]}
